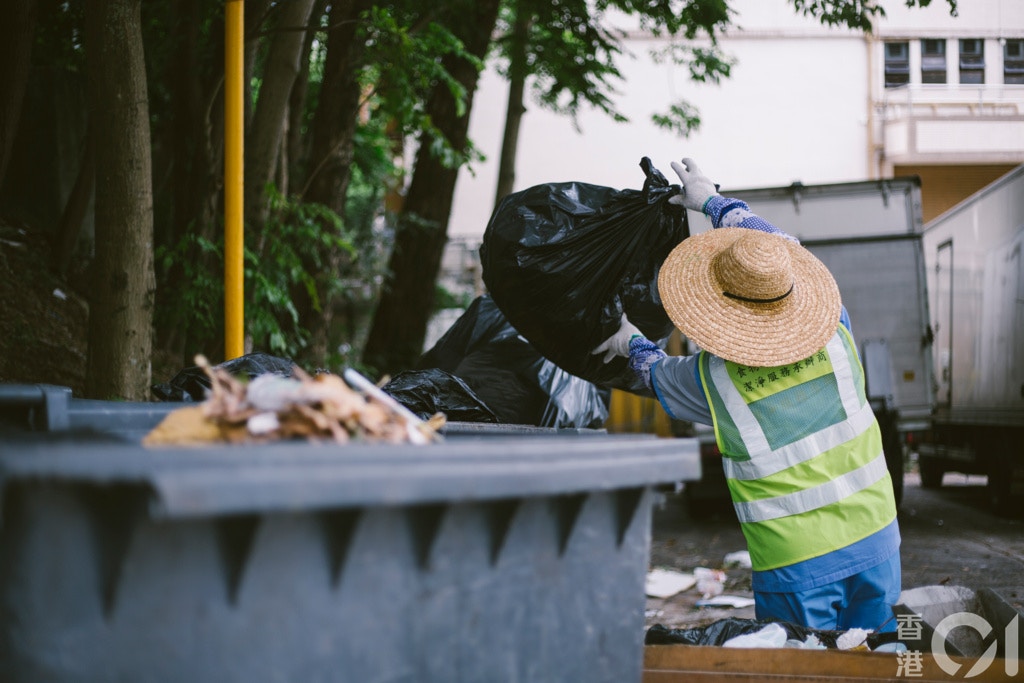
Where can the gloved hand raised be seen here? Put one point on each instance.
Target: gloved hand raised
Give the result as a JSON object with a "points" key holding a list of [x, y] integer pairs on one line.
{"points": [[618, 343], [697, 189]]}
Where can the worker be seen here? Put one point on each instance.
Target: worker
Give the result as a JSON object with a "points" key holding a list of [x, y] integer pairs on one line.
{"points": [[779, 377]]}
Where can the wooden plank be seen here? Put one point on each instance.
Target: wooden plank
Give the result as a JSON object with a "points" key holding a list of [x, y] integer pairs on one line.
{"points": [[695, 664]]}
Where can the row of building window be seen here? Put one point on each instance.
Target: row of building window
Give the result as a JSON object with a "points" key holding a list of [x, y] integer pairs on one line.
{"points": [[933, 61]]}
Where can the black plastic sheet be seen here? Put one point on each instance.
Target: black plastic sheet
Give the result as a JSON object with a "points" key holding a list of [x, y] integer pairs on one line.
{"points": [[426, 392], [564, 260], [717, 633], [509, 375], [192, 383]]}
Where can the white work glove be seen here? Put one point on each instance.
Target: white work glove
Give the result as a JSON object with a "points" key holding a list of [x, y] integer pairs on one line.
{"points": [[618, 343], [697, 189]]}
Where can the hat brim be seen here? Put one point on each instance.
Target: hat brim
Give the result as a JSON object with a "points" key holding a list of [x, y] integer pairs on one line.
{"points": [[756, 334]]}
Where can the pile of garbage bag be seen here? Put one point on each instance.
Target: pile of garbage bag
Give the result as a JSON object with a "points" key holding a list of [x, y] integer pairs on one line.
{"points": [[508, 375], [768, 633]]}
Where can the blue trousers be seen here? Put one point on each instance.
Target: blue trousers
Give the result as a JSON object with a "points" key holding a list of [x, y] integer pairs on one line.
{"points": [[863, 600]]}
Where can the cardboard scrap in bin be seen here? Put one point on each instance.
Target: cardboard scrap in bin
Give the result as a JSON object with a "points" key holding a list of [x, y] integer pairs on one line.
{"points": [[272, 407]]}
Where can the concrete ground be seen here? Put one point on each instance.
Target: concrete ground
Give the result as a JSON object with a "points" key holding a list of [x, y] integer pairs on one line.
{"points": [[949, 537]]}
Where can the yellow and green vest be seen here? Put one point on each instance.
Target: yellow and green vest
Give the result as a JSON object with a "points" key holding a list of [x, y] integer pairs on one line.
{"points": [[802, 453]]}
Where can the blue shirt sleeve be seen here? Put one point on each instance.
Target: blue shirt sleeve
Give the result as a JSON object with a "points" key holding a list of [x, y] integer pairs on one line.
{"points": [[674, 380], [726, 212]]}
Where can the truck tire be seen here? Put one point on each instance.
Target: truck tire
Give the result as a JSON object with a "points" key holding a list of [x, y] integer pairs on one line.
{"points": [[1002, 497], [931, 473], [892, 446]]}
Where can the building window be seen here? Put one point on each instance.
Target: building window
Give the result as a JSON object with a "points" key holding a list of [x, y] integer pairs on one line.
{"points": [[1013, 60], [933, 60], [897, 64], [972, 60]]}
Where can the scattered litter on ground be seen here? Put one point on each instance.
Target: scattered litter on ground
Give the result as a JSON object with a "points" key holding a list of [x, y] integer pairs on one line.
{"points": [[710, 582], [664, 583], [852, 639], [772, 635], [740, 558], [726, 601]]}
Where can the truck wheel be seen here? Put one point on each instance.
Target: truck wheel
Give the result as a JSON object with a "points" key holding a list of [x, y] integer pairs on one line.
{"points": [[931, 473], [1004, 500], [892, 446]]}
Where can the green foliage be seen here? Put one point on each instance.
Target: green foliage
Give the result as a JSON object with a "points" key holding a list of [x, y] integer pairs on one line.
{"points": [[286, 256], [572, 54], [443, 299], [856, 14], [407, 57], [58, 39], [681, 119], [566, 49], [197, 305]]}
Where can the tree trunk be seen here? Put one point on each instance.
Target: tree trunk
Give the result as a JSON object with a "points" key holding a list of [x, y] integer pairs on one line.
{"points": [[256, 12], [197, 126], [70, 226], [263, 142], [407, 300], [17, 31], [515, 109], [121, 306], [330, 163], [298, 142]]}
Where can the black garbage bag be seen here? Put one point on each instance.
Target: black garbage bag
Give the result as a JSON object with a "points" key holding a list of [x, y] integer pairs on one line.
{"points": [[722, 630], [192, 383], [564, 260], [717, 633], [508, 374], [426, 392]]}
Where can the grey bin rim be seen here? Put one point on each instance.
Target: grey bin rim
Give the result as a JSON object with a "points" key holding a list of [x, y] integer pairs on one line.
{"points": [[224, 480]]}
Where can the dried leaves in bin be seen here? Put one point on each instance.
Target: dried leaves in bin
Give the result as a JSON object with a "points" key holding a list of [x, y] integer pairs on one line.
{"points": [[272, 407]]}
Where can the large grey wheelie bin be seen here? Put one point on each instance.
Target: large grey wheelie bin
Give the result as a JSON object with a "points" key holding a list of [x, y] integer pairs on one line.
{"points": [[501, 554]]}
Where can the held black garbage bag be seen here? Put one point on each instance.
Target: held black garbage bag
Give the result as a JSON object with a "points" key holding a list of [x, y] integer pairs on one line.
{"points": [[510, 376], [564, 260]]}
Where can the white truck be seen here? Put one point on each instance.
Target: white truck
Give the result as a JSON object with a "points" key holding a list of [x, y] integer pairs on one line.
{"points": [[869, 235], [976, 285]]}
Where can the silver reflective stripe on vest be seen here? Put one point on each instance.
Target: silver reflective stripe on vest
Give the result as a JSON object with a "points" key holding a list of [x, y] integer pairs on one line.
{"points": [[764, 461], [750, 431], [803, 450], [811, 499], [844, 373]]}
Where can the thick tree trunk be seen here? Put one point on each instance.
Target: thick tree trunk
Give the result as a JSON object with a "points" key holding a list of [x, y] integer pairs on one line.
{"points": [[17, 31], [263, 143], [515, 109], [400, 322], [121, 306], [330, 163]]}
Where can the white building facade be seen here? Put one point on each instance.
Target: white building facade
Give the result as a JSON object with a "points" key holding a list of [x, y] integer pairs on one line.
{"points": [[925, 93]]}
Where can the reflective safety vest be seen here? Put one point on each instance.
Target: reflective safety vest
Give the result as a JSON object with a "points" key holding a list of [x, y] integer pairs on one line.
{"points": [[803, 453]]}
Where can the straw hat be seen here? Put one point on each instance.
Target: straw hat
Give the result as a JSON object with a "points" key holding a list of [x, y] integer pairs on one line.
{"points": [[751, 297]]}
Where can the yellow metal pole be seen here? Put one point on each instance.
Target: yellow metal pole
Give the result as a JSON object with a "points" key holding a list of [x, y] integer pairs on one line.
{"points": [[234, 153]]}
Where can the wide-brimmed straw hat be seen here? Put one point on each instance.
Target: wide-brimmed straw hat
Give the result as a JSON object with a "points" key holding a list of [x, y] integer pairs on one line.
{"points": [[751, 297]]}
